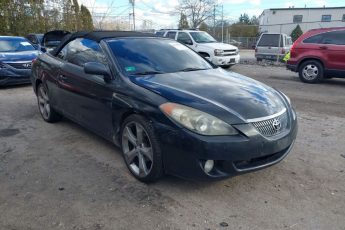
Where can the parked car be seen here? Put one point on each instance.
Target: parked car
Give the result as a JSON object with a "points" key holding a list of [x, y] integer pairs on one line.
{"points": [[218, 53], [16, 56], [318, 54], [52, 39], [168, 109], [36, 41], [235, 43], [272, 46]]}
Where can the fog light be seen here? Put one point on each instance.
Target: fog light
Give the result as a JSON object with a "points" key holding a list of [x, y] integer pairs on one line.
{"points": [[208, 166]]}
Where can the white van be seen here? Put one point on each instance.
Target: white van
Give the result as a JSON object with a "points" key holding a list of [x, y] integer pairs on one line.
{"points": [[218, 53], [268, 46]]}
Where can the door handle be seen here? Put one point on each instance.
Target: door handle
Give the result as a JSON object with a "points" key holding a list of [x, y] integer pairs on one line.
{"points": [[323, 47], [62, 77]]}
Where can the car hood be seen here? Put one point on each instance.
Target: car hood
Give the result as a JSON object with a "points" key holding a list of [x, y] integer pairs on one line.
{"points": [[18, 56], [217, 45], [227, 95]]}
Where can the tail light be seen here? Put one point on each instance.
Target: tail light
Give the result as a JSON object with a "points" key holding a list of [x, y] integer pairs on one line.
{"points": [[256, 50], [283, 51], [292, 49]]}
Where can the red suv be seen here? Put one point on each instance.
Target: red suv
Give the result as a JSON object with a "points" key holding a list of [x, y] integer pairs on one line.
{"points": [[318, 54]]}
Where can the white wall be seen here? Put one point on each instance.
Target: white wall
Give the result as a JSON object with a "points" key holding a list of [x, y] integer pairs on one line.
{"points": [[311, 19]]}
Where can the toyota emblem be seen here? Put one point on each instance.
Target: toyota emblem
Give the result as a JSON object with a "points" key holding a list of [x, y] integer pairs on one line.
{"points": [[27, 65], [276, 125]]}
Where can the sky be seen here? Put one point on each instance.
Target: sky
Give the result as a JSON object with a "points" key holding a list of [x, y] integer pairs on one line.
{"points": [[162, 13]]}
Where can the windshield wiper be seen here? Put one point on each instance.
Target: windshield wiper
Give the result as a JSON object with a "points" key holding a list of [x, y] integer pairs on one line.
{"points": [[191, 69], [148, 73]]}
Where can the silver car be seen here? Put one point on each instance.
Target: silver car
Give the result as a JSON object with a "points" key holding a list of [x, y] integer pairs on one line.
{"points": [[272, 46]]}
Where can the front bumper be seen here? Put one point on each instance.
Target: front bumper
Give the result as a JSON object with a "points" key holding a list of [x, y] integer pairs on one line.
{"points": [[14, 76], [226, 60], [270, 57], [185, 152]]}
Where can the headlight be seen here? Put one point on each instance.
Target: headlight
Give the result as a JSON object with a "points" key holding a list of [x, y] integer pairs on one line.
{"points": [[218, 52], [286, 97], [197, 121], [237, 51]]}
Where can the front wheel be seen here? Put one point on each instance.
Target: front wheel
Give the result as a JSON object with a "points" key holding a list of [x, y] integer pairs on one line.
{"points": [[140, 149], [311, 72], [47, 113], [226, 66]]}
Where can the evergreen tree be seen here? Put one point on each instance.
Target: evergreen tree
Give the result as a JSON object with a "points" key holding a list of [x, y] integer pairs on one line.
{"points": [[183, 23], [296, 33], [86, 18]]}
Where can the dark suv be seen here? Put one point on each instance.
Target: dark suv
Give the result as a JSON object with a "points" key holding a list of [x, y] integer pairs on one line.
{"points": [[318, 54]]}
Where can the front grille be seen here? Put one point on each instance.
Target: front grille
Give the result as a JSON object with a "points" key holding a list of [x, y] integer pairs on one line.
{"points": [[272, 126], [21, 65], [229, 51]]}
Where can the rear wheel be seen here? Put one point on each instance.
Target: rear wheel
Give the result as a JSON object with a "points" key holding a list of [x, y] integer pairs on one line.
{"points": [[140, 149], [47, 113], [311, 72]]}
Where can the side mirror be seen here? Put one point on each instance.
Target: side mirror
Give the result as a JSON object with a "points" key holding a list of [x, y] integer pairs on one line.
{"points": [[97, 68]]}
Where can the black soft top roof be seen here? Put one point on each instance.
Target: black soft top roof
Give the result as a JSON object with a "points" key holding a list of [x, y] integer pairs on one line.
{"points": [[98, 36]]}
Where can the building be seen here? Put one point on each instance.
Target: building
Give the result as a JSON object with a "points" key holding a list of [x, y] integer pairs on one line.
{"points": [[284, 20]]}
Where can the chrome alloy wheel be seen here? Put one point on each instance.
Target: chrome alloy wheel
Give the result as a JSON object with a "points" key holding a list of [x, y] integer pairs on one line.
{"points": [[310, 72], [137, 149], [43, 102]]}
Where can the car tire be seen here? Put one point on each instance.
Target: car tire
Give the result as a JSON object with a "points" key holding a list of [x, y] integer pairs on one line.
{"points": [[311, 72], [141, 150], [226, 66], [46, 111]]}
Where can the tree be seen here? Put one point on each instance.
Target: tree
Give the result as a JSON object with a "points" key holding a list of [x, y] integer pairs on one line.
{"points": [[183, 23], [203, 27], [244, 19], [197, 11], [86, 18], [296, 33]]}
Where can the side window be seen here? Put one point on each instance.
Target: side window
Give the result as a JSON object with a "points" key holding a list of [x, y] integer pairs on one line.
{"points": [[62, 53], [316, 39], [171, 35], [81, 51], [326, 18], [343, 18], [297, 18], [32, 39], [334, 38], [160, 34], [184, 38]]}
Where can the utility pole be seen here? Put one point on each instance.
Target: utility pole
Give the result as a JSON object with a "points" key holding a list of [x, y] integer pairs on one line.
{"points": [[214, 20], [133, 4], [222, 23]]}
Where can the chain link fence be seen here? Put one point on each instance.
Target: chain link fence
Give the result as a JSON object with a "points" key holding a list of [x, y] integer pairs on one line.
{"points": [[242, 42]]}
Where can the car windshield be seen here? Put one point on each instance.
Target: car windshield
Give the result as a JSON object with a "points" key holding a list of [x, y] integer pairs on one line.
{"points": [[202, 37], [15, 45], [143, 56]]}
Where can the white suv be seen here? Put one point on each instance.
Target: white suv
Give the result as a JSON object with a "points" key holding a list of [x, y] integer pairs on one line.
{"points": [[218, 53]]}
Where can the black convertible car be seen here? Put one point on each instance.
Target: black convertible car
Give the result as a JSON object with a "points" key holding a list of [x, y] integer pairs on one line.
{"points": [[169, 110]]}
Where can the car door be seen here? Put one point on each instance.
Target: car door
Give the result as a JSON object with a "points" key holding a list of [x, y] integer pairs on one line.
{"points": [[85, 98], [333, 49]]}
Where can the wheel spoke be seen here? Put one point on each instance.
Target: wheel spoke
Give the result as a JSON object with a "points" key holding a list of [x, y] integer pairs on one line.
{"points": [[130, 155], [142, 166], [147, 151], [47, 109], [140, 132], [130, 136]]}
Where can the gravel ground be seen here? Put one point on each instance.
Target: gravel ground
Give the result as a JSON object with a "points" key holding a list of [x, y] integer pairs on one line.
{"points": [[60, 176]]}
